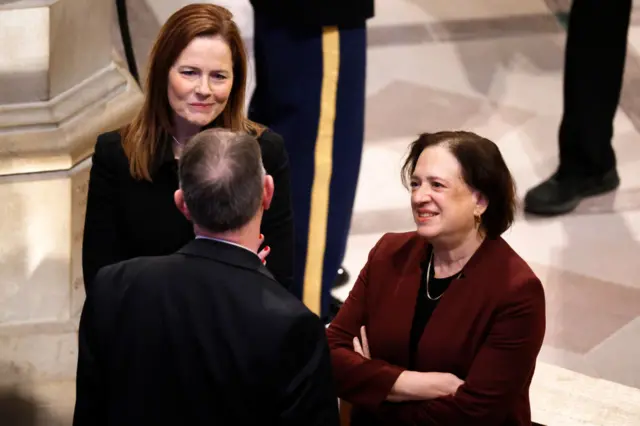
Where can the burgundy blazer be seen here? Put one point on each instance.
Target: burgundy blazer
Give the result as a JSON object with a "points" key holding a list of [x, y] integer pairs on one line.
{"points": [[487, 329]]}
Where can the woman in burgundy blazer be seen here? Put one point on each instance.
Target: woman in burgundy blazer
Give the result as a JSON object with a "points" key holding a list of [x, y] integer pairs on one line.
{"points": [[444, 324]]}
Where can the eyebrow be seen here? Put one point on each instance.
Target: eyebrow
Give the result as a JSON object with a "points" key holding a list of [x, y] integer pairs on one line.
{"points": [[430, 177], [221, 71]]}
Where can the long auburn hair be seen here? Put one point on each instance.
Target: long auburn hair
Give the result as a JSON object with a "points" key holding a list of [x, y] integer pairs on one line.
{"points": [[144, 138]]}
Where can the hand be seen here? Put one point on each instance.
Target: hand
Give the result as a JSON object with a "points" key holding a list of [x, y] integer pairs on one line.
{"points": [[262, 254], [362, 349], [444, 384], [422, 386]]}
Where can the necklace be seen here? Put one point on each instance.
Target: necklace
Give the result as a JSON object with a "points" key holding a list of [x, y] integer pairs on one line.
{"points": [[177, 149], [428, 279]]}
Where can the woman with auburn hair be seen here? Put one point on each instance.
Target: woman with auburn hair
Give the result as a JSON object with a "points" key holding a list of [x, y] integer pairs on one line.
{"points": [[196, 79], [444, 324]]}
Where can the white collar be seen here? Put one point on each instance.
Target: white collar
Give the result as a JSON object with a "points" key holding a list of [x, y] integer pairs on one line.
{"points": [[202, 237]]}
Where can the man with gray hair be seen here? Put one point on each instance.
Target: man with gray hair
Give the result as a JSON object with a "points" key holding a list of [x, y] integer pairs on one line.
{"points": [[206, 335]]}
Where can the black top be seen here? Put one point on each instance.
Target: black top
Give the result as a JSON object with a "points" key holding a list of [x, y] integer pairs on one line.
{"points": [[127, 218], [316, 13], [201, 337], [425, 307]]}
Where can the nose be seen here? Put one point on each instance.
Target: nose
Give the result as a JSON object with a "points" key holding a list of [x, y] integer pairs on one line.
{"points": [[422, 194], [203, 88]]}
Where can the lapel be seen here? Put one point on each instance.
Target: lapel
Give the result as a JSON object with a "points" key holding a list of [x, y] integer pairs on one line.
{"points": [[229, 254], [164, 164], [474, 282], [393, 289], [466, 305]]}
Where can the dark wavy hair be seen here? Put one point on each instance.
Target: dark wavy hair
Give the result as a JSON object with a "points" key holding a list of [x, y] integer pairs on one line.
{"points": [[483, 169]]}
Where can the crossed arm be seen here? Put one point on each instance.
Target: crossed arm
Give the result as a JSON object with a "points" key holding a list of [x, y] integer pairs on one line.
{"points": [[412, 385]]}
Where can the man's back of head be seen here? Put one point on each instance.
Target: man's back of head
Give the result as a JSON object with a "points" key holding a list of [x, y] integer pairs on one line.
{"points": [[222, 181]]}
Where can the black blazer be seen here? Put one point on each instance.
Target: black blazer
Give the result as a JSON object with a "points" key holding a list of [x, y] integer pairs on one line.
{"points": [[128, 218], [316, 13], [201, 337]]}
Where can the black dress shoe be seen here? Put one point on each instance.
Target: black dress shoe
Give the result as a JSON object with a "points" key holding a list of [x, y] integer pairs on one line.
{"points": [[342, 278], [561, 194]]}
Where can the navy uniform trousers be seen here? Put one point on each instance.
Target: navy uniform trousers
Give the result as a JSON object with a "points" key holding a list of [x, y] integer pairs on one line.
{"points": [[310, 88], [594, 67]]}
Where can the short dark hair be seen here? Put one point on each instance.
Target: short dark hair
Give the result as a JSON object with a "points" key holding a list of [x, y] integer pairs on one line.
{"points": [[483, 169], [221, 175]]}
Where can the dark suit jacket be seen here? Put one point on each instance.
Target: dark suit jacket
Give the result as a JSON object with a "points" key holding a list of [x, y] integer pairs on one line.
{"points": [[487, 329], [316, 13], [127, 218], [201, 337]]}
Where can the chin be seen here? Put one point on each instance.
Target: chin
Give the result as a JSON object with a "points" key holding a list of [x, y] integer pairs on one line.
{"points": [[201, 121], [427, 232]]}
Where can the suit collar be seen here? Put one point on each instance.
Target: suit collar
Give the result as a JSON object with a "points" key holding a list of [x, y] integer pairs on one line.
{"points": [[164, 155], [230, 254], [484, 257], [485, 251]]}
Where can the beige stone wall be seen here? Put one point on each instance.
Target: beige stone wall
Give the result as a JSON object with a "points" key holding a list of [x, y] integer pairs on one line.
{"points": [[39, 304], [24, 70], [60, 86], [59, 83]]}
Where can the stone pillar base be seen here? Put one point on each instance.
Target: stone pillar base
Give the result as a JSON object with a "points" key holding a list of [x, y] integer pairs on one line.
{"points": [[60, 86]]}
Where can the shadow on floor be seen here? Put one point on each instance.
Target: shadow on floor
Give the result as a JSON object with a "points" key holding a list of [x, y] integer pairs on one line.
{"points": [[17, 409]]}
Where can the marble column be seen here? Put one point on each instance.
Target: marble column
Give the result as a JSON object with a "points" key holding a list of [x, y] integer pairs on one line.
{"points": [[60, 86]]}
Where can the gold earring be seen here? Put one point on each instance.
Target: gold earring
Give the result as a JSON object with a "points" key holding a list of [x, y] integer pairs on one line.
{"points": [[477, 219]]}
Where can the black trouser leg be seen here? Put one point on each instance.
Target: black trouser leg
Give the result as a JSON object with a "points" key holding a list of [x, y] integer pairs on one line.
{"points": [[594, 65]]}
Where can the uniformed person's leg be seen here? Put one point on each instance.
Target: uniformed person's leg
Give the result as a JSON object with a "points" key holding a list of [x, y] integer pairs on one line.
{"points": [[348, 134], [287, 100], [310, 89]]}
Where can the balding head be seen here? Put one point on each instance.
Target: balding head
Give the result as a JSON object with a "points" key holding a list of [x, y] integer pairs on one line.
{"points": [[222, 179]]}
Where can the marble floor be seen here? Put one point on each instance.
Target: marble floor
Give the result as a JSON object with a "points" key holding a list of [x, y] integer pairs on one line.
{"points": [[495, 67]]}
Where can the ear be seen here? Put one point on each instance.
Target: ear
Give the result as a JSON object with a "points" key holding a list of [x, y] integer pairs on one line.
{"points": [[178, 197], [481, 203], [267, 192]]}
